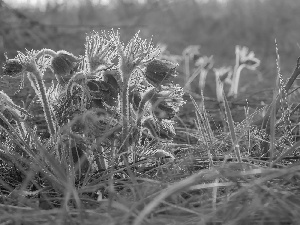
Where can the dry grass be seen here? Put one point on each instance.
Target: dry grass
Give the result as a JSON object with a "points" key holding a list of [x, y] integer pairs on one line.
{"points": [[244, 172]]}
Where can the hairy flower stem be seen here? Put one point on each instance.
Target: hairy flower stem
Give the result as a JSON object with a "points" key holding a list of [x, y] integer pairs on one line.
{"points": [[235, 80], [41, 92], [148, 95], [187, 72], [125, 113], [202, 79], [234, 75], [45, 103]]}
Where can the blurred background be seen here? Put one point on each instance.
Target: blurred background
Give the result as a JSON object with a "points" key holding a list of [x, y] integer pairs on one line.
{"points": [[214, 24]]}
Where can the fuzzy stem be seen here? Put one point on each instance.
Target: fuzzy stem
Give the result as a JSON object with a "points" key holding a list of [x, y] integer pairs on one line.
{"points": [[202, 79], [187, 72], [235, 80], [41, 92], [125, 113], [148, 95], [236, 66], [219, 89]]}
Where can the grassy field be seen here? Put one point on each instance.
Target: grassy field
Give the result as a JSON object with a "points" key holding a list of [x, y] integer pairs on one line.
{"points": [[161, 112]]}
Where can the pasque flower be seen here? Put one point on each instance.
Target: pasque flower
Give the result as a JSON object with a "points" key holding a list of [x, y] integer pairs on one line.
{"points": [[246, 57], [159, 72], [99, 52], [64, 63], [162, 110], [136, 52], [168, 97], [113, 99], [223, 75], [205, 62], [12, 67]]}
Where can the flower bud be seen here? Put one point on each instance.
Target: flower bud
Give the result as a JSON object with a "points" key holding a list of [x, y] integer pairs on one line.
{"points": [[166, 103], [159, 72], [162, 110], [12, 67], [64, 63]]}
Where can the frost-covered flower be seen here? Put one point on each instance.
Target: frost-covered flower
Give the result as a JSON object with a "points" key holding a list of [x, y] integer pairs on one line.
{"points": [[162, 110], [99, 51], [159, 72], [137, 51], [12, 67], [172, 95], [64, 63], [21, 63]]}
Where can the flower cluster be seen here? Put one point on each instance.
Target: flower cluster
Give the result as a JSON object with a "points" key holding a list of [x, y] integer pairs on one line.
{"points": [[97, 96]]}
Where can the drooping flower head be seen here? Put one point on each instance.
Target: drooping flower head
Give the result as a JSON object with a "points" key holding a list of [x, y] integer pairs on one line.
{"points": [[162, 110], [12, 67], [167, 102], [205, 62], [159, 72], [192, 52], [224, 74], [64, 63], [21, 63], [246, 57]]}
